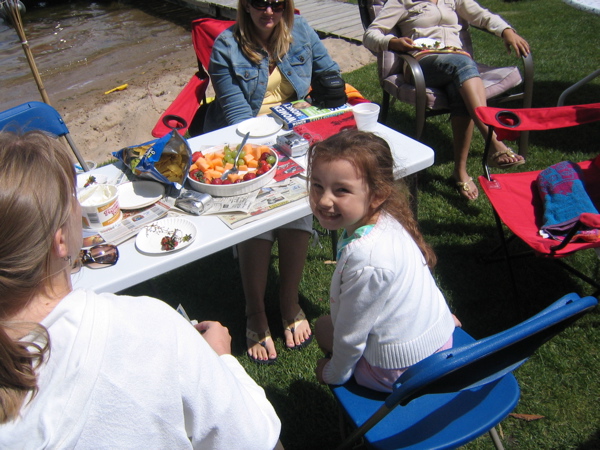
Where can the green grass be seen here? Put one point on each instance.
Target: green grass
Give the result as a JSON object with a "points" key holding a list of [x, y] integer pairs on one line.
{"points": [[560, 382]]}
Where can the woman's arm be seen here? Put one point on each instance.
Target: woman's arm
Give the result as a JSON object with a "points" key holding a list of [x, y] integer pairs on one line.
{"points": [[228, 92], [378, 36], [483, 18]]}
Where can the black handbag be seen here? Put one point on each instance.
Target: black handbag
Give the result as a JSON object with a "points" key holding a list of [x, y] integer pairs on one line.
{"points": [[328, 90]]}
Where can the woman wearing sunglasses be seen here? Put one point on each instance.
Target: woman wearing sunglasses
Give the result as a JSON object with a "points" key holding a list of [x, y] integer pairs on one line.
{"points": [[86, 370], [267, 58]]}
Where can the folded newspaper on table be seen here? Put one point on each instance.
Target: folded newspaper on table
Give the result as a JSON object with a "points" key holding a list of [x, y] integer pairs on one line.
{"points": [[131, 223], [270, 199]]}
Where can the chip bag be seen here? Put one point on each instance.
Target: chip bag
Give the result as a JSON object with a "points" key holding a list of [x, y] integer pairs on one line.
{"points": [[166, 160]]}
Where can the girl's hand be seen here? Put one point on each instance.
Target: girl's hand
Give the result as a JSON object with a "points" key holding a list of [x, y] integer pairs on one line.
{"points": [[512, 39], [319, 370], [401, 44], [216, 335]]}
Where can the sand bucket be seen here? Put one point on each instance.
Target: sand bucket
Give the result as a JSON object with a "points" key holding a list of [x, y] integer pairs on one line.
{"points": [[99, 205]]}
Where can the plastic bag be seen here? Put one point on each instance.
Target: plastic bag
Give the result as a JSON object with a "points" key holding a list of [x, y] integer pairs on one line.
{"points": [[166, 160]]}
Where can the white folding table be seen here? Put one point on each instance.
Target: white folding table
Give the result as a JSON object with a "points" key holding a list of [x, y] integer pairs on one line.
{"points": [[214, 235]]}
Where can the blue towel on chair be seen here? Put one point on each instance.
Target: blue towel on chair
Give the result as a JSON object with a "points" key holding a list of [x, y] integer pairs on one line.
{"points": [[565, 198]]}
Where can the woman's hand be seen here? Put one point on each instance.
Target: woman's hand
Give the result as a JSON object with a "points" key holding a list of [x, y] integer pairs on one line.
{"points": [[216, 335], [401, 44], [319, 370], [512, 39]]}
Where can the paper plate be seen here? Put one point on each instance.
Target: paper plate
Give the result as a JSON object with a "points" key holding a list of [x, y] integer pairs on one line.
{"points": [[138, 194], [259, 126], [428, 43], [149, 238]]}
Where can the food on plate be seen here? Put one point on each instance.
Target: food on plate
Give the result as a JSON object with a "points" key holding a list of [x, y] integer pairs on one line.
{"points": [[91, 180], [254, 161]]}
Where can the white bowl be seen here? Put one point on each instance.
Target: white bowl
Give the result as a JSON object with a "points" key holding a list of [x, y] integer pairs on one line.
{"points": [[229, 190]]}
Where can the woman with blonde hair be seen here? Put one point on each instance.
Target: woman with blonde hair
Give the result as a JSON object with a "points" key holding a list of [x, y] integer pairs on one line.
{"points": [[86, 370], [269, 57]]}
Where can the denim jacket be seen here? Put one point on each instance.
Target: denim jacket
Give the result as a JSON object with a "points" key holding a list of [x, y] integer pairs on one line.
{"points": [[240, 85]]}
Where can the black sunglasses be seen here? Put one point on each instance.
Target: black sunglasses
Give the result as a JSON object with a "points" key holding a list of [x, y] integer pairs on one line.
{"points": [[96, 257], [262, 5]]}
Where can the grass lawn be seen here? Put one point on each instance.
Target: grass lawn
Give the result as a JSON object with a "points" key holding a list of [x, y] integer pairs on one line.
{"points": [[560, 382]]}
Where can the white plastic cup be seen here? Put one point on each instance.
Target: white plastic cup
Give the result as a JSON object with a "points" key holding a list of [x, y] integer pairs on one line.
{"points": [[366, 116], [99, 205]]}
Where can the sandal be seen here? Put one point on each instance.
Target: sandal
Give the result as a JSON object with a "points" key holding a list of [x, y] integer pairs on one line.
{"points": [[493, 160], [256, 338], [464, 188], [291, 327]]}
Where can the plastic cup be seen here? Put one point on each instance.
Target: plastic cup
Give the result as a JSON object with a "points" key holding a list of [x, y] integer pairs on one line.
{"points": [[366, 116], [99, 205]]}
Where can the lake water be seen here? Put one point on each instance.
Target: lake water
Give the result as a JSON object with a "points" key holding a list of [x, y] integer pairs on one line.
{"points": [[76, 42]]}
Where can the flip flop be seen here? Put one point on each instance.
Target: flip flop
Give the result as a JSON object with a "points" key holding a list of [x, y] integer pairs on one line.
{"points": [[464, 188], [255, 337], [493, 160], [291, 327]]}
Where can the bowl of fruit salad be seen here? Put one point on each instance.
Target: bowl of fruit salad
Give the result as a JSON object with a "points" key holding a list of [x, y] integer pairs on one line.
{"points": [[257, 166]]}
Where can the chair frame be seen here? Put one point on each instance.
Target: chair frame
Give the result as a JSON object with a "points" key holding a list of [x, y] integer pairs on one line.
{"points": [[421, 110], [491, 117], [471, 365], [39, 116]]}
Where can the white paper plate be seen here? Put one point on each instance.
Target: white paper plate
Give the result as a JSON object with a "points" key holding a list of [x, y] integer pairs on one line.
{"points": [[149, 237], [138, 194], [259, 126], [428, 43]]}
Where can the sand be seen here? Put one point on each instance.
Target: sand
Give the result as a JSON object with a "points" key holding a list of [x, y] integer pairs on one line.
{"points": [[103, 123]]}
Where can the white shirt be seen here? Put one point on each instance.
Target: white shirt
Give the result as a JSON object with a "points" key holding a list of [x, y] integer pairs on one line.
{"points": [[131, 372]]}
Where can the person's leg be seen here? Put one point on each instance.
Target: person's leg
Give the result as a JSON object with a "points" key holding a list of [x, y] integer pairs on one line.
{"points": [[293, 249], [254, 259], [462, 131], [473, 93], [324, 333]]}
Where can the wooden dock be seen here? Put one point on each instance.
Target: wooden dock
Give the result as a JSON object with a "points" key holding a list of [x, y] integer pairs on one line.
{"points": [[327, 17]]}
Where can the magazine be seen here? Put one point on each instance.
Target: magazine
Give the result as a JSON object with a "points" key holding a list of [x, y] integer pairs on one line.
{"points": [[300, 111], [271, 198]]}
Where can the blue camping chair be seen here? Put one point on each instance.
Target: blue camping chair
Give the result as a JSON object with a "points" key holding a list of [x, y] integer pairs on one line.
{"points": [[38, 116], [454, 396]]}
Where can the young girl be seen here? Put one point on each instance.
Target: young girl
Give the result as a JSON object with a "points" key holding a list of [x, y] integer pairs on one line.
{"points": [[386, 311]]}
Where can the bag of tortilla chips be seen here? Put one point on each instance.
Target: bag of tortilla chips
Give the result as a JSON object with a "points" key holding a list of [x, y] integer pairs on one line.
{"points": [[166, 160]]}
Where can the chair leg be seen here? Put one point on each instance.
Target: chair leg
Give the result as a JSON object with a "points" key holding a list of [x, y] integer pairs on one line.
{"points": [[385, 107], [496, 439], [504, 244]]}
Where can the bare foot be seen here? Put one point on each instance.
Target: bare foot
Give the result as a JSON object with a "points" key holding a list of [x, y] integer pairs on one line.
{"points": [[258, 338], [504, 158]]}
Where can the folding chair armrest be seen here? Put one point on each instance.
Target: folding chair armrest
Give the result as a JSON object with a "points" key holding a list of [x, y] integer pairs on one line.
{"points": [[420, 87]]}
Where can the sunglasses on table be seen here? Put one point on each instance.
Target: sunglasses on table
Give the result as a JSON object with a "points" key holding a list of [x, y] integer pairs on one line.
{"points": [[262, 5], [97, 257]]}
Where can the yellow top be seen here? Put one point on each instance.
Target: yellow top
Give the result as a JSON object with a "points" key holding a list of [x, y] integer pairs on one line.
{"points": [[279, 90]]}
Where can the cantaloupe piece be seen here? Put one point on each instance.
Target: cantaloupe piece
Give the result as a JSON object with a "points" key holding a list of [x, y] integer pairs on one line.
{"points": [[228, 166], [249, 157], [213, 173], [202, 164], [252, 164]]}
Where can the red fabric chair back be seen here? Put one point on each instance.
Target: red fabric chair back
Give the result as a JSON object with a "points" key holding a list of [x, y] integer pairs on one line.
{"points": [[204, 33], [508, 123]]}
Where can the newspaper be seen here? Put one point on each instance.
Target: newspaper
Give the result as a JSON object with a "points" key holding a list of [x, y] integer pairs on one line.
{"points": [[270, 199], [236, 203], [131, 223]]}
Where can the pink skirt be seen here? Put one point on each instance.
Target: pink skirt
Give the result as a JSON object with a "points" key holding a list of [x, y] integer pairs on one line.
{"points": [[379, 379]]}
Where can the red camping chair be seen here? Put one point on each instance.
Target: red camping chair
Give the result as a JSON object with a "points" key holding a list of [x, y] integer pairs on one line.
{"points": [[204, 33], [515, 197]]}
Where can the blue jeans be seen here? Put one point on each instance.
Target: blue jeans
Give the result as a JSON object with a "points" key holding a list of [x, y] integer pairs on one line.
{"points": [[449, 71]]}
